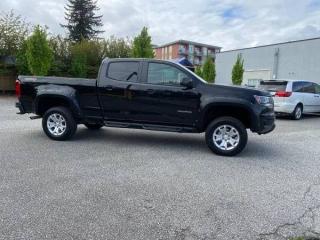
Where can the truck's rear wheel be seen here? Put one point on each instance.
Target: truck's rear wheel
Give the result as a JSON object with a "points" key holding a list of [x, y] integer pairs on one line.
{"points": [[226, 136], [93, 126], [59, 124]]}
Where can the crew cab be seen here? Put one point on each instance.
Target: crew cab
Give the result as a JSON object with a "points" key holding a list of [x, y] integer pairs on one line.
{"points": [[148, 94]]}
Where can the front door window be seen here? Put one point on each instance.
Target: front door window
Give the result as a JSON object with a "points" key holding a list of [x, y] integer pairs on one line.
{"points": [[164, 74]]}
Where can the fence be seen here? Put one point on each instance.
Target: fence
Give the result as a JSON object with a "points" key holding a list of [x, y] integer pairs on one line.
{"points": [[7, 83]]}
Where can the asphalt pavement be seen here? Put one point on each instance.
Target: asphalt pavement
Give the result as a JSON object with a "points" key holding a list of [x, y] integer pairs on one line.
{"points": [[134, 184]]}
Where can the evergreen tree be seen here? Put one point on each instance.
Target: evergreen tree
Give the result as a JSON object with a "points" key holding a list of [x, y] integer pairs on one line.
{"points": [[209, 70], [142, 47], [237, 71], [198, 71], [82, 20], [38, 53]]}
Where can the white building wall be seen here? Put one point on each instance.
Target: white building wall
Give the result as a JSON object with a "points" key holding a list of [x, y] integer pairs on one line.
{"points": [[296, 60]]}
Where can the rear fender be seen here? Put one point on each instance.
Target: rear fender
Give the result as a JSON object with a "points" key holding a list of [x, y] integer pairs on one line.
{"points": [[64, 93]]}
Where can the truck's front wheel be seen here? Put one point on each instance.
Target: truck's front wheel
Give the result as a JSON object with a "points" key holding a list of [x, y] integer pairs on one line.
{"points": [[226, 136], [59, 124]]}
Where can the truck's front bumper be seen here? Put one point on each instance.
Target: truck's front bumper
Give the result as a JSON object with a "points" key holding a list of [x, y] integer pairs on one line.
{"points": [[264, 122], [267, 123], [20, 107]]}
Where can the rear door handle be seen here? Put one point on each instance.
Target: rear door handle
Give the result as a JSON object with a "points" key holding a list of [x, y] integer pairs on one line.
{"points": [[316, 96]]}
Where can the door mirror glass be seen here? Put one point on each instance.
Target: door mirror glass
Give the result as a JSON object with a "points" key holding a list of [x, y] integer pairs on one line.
{"points": [[187, 82]]}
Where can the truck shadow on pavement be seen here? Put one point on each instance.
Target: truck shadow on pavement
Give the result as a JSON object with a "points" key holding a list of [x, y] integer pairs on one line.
{"points": [[170, 142]]}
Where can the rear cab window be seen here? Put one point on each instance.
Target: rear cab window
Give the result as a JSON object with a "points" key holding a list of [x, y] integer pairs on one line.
{"points": [[124, 71], [273, 85]]}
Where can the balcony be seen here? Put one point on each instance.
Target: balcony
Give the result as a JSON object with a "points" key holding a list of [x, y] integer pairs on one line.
{"points": [[212, 54], [183, 51], [197, 53]]}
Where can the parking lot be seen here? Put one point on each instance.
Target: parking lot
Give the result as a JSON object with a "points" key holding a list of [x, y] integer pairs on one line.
{"points": [[132, 184]]}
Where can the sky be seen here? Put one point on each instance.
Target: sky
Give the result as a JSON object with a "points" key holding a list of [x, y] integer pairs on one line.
{"points": [[229, 24]]}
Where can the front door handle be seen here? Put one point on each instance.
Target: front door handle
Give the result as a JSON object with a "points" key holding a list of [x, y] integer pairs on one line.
{"points": [[108, 88], [316, 96], [150, 91]]}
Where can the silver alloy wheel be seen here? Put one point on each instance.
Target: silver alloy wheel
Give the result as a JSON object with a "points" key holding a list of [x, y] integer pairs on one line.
{"points": [[226, 137], [298, 113], [56, 124]]}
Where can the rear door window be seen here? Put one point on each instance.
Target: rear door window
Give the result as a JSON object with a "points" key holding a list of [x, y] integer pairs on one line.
{"points": [[309, 87], [123, 71], [273, 86], [298, 86]]}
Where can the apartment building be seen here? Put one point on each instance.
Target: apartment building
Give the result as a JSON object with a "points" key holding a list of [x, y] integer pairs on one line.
{"points": [[195, 52]]}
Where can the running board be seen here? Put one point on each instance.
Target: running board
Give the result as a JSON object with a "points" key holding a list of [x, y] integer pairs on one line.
{"points": [[152, 127], [35, 117]]}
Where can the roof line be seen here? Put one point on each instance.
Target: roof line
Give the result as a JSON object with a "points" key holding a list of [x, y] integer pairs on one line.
{"points": [[187, 41], [273, 44]]}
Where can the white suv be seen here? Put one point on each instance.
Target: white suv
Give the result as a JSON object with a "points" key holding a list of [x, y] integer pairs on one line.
{"points": [[293, 97]]}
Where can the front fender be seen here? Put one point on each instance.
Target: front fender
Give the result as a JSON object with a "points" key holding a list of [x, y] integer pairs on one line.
{"points": [[209, 103]]}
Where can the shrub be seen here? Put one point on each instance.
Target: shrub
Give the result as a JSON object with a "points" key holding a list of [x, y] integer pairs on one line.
{"points": [[38, 52], [209, 70], [237, 71]]}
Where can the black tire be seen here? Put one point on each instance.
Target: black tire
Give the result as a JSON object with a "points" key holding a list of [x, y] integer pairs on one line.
{"points": [[241, 136], [297, 113], [70, 123], [93, 126]]}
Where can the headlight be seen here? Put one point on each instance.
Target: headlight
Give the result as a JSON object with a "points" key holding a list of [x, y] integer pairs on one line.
{"points": [[264, 100]]}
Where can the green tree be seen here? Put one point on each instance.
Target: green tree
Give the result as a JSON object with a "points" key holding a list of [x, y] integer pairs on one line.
{"points": [[61, 56], [82, 21], [142, 47], [38, 52], [209, 70], [237, 71], [13, 32], [198, 71], [79, 66], [117, 47], [21, 60], [86, 57]]}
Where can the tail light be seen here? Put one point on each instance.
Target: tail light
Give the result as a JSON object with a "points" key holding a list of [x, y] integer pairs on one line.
{"points": [[18, 88], [283, 94]]}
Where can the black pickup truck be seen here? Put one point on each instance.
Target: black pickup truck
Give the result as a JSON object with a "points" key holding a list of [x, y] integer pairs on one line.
{"points": [[147, 94]]}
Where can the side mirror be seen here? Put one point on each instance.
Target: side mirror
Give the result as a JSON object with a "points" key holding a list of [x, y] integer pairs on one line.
{"points": [[187, 83]]}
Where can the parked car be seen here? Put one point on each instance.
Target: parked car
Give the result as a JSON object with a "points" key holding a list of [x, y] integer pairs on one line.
{"points": [[293, 97], [148, 94]]}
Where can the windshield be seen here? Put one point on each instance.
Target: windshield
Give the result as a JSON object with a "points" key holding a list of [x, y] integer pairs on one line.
{"points": [[273, 86]]}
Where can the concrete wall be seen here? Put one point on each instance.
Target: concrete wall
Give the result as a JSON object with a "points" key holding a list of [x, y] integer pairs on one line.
{"points": [[296, 60]]}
